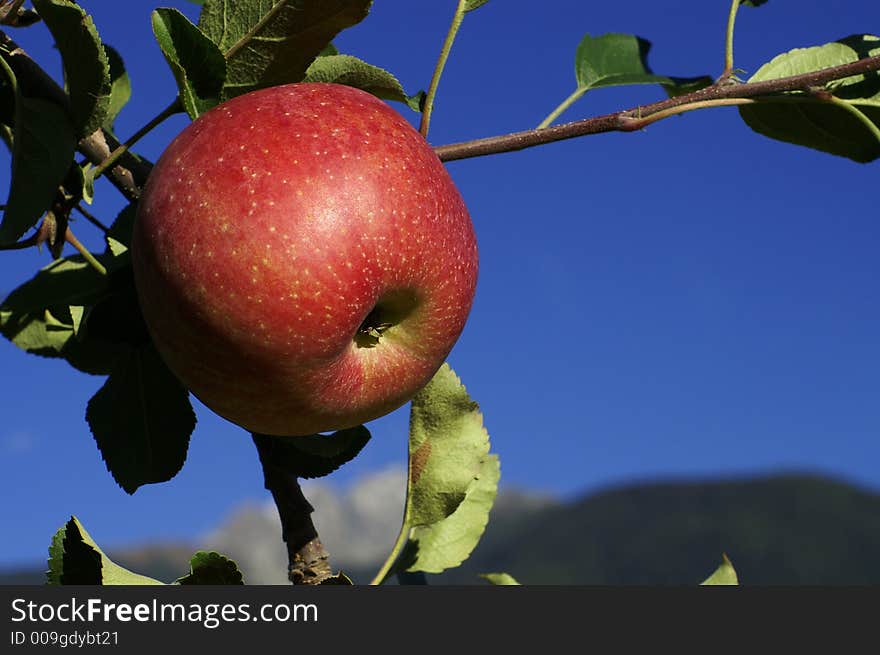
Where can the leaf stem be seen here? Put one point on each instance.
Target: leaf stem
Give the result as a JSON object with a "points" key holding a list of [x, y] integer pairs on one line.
{"points": [[856, 112], [174, 108], [728, 40], [425, 124], [636, 118], [89, 257], [565, 104], [385, 570]]}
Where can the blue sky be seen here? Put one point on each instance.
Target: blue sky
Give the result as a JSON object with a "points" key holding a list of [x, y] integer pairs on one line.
{"points": [[690, 300]]}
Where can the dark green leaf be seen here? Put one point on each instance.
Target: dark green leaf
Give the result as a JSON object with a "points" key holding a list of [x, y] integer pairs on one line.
{"points": [[470, 5], [122, 228], [141, 420], [683, 85], [196, 61], [416, 101], [120, 86], [723, 575], [614, 59], [75, 559], [314, 456], [351, 71], [329, 49], [35, 317], [499, 578], [44, 146], [270, 42], [753, 3], [86, 68], [211, 568], [815, 123], [7, 102]]}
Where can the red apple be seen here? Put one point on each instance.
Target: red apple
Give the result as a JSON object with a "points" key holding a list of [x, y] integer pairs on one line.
{"points": [[303, 260]]}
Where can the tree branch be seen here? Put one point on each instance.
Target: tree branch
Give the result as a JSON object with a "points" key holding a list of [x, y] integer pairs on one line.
{"points": [[308, 560], [636, 118], [129, 174]]}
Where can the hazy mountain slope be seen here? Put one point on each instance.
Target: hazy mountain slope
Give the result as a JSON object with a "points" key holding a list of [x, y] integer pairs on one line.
{"points": [[784, 529], [793, 529]]}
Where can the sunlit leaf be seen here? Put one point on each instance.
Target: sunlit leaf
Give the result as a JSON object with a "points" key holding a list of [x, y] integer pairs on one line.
{"points": [[351, 71], [809, 121], [120, 86], [270, 42], [723, 575], [452, 479], [449, 542], [614, 59], [503, 579], [196, 61], [75, 559]]}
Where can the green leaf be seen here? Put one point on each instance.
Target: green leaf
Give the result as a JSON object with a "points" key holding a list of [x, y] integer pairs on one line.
{"points": [[723, 575], [197, 63], [120, 87], [314, 456], [683, 85], [7, 102], [86, 67], [614, 59], [211, 568], [416, 101], [452, 479], [351, 71], [35, 315], [340, 579], [819, 124], [270, 42], [43, 148], [329, 49], [75, 559], [447, 543], [503, 579], [752, 3], [123, 226], [470, 5], [141, 420], [447, 447]]}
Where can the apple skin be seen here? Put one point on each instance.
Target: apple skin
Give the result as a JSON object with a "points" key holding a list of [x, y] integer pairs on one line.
{"points": [[279, 228]]}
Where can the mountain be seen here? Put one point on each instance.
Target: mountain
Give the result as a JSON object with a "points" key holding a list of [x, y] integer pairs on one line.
{"points": [[781, 529]]}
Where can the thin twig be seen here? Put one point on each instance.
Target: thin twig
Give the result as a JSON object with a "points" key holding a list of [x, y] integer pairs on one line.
{"points": [[638, 117], [308, 561]]}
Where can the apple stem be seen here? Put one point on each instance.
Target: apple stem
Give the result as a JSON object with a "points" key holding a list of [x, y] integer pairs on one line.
{"points": [[308, 560]]}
